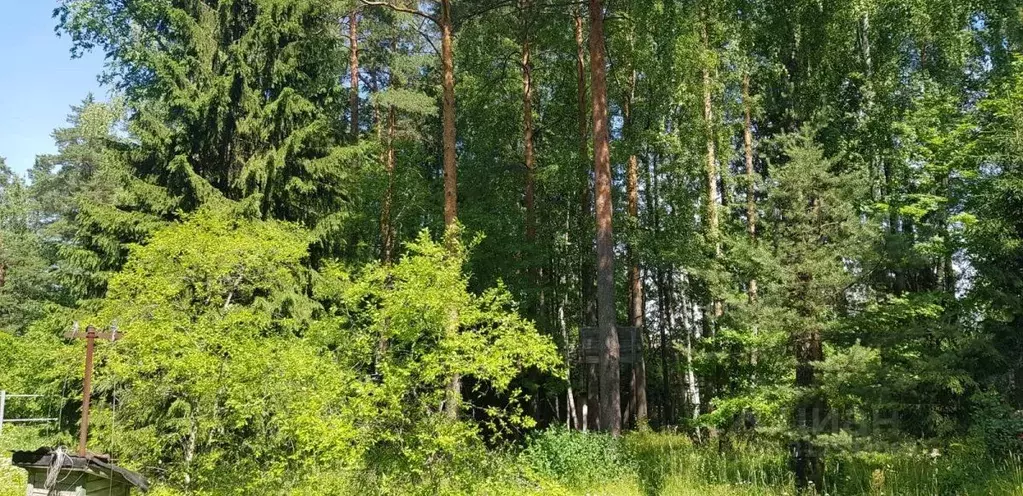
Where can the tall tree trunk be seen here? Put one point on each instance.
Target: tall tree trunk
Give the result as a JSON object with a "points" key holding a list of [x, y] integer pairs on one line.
{"points": [[571, 420], [527, 124], [588, 300], [589, 303], [811, 408], [353, 41], [386, 223], [688, 315], [3, 265], [652, 193], [810, 411], [610, 394], [448, 114], [751, 178], [638, 398], [716, 309], [453, 396], [713, 234], [664, 308], [751, 201], [585, 211]]}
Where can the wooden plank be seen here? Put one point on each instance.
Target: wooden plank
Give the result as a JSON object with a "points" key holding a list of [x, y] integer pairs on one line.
{"points": [[96, 485], [630, 343]]}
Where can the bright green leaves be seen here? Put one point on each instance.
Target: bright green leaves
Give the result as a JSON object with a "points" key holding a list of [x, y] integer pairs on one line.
{"points": [[230, 358], [213, 369], [412, 326], [218, 261], [411, 306]]}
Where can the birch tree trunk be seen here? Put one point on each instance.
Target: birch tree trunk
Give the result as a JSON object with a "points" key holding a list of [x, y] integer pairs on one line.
{"points": [[527, 125], [588, 300], [751, 201], [353, 41]]}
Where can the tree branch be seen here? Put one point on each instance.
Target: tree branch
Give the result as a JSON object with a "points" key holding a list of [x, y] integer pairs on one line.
{"points": [[426, 36], [399, 8]]}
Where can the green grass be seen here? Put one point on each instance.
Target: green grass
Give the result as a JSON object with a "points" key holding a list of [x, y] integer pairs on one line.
{"points": [[668, 464], [566, 463], [12, 480]]}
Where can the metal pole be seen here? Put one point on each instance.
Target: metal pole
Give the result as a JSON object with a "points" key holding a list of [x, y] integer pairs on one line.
{"points": [[3, 404], [83, 433]]}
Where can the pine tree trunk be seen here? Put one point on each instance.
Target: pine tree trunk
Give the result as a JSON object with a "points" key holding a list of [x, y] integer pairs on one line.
{"points": [[638, 398], [353, 40], [610, 394], [453, 394], [811, 410], [586, 280], [448, 115]]}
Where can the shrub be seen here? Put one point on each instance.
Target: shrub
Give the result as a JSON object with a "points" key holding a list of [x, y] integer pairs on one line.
{"points": [[995, 425], [577, 458]]}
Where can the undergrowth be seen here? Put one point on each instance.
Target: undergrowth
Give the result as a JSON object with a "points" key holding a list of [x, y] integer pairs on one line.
{"points": [[558, 462]]}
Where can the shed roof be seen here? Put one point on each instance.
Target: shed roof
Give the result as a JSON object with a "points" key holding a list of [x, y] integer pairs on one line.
{"points": [[98, 465]]}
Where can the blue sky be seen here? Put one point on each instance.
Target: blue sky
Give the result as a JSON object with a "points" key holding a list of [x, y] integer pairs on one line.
{"points": [[38, 80]]}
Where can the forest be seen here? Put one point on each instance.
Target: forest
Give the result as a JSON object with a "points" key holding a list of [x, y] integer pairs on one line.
{"points": [[557, 247]]}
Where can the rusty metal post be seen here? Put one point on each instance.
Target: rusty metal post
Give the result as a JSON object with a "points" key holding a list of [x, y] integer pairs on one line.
{"points": [[83, 432], [90, 342]]}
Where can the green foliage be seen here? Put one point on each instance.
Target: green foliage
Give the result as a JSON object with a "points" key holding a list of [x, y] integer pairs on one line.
{"points": [[214, 371], [233, 99], [414, 325], [994, 425], [578, 459], [12, 480], [223, 209], [24, 274], [91, 207], [240, 369], [995, 238]]}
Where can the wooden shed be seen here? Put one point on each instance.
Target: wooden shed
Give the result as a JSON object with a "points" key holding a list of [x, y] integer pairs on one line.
{"points": [[630, 344], [56, 473]]}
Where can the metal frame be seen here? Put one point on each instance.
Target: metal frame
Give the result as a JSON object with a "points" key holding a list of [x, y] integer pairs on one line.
{"points": [[3, 406]]}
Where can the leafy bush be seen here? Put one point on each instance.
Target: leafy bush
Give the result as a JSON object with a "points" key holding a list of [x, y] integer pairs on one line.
{"points": [[12, 480], [577, 458], [995, 425], [244, 370]]}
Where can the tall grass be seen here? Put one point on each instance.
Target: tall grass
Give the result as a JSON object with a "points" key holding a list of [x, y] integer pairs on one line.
{"points": [[671, 464], [558, 462]]}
